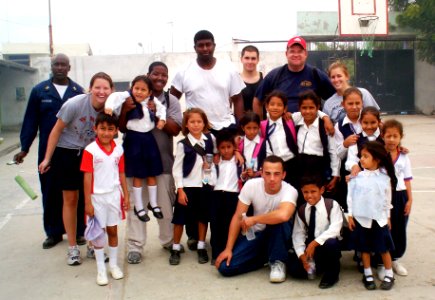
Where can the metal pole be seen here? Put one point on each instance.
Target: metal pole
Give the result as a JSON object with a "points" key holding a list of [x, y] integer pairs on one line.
{"points": [[50, 30]]}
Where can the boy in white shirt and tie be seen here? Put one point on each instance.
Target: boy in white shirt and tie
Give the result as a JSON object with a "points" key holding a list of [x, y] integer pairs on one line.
{"points": [[316, 235]]}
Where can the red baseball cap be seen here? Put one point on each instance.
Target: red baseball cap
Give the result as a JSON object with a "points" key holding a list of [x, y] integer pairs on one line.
{"points": [[297, 40]]}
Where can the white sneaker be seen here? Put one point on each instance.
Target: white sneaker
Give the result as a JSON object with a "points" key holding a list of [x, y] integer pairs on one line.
{"points": [[102, 278], [277, 272], [73, 258], [399, 269], [381, 272], [116, 272]]}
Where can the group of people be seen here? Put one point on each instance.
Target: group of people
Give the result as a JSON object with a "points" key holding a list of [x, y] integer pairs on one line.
{"points": [[260, 161]]}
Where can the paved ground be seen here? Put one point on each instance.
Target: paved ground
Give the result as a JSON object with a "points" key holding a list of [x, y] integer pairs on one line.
{"points": [[29, 272]]}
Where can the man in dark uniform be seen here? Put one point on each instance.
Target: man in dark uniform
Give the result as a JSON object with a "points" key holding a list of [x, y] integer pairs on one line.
{"points": [[45, 101]]}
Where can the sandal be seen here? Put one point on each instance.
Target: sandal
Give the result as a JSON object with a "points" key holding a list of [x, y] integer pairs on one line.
{"points": [[157, 214], [387, 283], [143, 218], [370, 285]]}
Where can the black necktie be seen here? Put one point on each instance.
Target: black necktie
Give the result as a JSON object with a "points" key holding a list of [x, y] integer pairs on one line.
{"points": [[312, 225], [271, 129]]}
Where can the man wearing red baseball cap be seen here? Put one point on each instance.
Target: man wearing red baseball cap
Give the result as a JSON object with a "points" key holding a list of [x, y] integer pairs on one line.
{"points": [[293, 78]]}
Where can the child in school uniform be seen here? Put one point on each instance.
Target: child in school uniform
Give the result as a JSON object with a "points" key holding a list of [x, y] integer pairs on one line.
{"points": [[347, 131], [392, 132], [317, 151], [104, 180], [369, 203], [280, 136], [142, 155], [226, 181], [193, 192], [316, 235], [370, 119], [250, 145]]}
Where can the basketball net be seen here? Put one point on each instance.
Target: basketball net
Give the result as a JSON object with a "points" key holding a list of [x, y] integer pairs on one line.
{"points": [[367, 24]]}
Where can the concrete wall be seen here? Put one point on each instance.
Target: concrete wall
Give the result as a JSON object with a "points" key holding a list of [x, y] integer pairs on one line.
{"points": [[424, 87], [126, 67], [11, 110]]}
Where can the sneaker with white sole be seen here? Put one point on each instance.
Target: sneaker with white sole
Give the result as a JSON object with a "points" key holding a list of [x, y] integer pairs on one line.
{"points": [[74, 258], [381, 272], [116, 272], [399, 269], [277, 272], [102, 278]]}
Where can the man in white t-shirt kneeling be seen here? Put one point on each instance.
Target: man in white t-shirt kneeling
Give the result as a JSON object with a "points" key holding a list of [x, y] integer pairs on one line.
{"points": [[273, 202]]}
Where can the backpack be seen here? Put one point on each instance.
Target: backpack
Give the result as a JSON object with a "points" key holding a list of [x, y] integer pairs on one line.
{"points": [[328, 204]]}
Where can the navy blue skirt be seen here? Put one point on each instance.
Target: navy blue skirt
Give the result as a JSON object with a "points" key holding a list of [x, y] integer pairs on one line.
{"points": [[142, 156], [376, 239]]}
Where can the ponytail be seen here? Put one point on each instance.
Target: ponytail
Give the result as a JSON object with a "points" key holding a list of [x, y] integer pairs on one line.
{"points": [[377, 150]]}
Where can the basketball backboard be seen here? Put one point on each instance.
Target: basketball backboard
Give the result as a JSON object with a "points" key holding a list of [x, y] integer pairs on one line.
{"points": [[363, 17]]}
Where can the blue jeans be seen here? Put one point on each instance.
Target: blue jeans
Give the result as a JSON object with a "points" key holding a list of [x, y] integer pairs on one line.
{"points": [[269, 245]]}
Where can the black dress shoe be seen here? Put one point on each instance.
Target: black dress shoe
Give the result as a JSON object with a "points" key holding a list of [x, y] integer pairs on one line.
{"points": [[202, 256], [387, 283], [192, 244], [143, 218], [174, 259], [370, 285], [81, 240], [157, 213], [51, 241], [326, 283]]}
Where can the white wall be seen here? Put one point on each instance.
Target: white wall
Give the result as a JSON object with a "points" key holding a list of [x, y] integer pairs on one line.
{"points": [[12, 111], [424, 87]]}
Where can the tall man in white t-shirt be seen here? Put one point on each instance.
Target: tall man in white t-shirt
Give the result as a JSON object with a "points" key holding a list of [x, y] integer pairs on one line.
{"points": [[214, 86], [273, 202], [210, 84], [44, 103]]}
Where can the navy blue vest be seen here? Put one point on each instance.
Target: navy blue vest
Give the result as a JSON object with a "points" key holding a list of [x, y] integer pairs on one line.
{"points": [[363, 139], [190, 153], [345, 129], [137, 112]]}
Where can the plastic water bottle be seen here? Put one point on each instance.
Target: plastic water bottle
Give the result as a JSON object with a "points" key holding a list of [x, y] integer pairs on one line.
{"points": [[250, 233], [206, 173], [311, 269], [252, 163]]}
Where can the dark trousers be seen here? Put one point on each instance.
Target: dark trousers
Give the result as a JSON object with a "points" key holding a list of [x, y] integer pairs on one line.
{"points": [[327, 260], [52, 203], [223, 206], [399, 222], [269, 245]]}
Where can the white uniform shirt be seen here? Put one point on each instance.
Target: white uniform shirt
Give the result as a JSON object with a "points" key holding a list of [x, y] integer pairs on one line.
{"points": [[325, 229], [352, 152], [105, 177], [194, 179], [402, 166], [210, 90], [248, 151], [309, 142], [369, 198], [339, 138], [228, 178], [278, 141], [253, 192]]}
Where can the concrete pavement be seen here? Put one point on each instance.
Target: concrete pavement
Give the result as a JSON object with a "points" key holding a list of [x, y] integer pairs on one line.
{"points": [[29, 272]]}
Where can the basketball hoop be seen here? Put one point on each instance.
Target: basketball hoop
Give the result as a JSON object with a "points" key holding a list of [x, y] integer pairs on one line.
{"points": [[367, 25]]}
